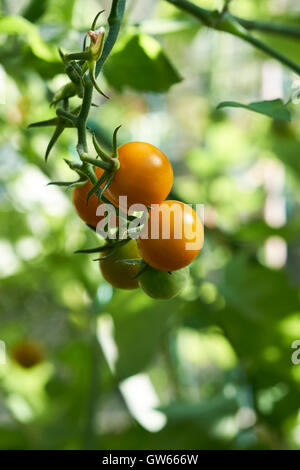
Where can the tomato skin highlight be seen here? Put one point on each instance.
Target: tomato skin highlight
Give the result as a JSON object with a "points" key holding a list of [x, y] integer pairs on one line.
{"points": [[118, 274], [172, 253], [145, 175], [87, 212], [162, 284]]}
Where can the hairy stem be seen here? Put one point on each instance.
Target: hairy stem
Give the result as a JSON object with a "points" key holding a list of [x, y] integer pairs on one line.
{"points": [[83, 115]]}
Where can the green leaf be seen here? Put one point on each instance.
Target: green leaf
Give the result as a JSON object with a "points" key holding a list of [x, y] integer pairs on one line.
{"points": [[35, 10], [205, 412], [273, 108], [260, 320], [20, 26], [261, 294], [139, 62], [140, 324]]}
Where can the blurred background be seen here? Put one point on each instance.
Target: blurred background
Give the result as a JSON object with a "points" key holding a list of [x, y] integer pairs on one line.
{"points": [[211, 369]]}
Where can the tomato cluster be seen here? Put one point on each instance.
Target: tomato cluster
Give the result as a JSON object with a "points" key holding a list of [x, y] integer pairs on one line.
{"points": [[155, 262], [136, 178]]}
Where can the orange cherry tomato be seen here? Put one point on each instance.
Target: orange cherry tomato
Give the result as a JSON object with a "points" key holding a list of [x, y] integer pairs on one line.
{"points": [[118, 274], [145, 175], [173, 236], [87, 212]]}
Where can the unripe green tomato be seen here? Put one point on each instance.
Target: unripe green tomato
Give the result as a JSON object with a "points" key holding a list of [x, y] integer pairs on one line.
{"points": [[162, 284], [118, 274]]}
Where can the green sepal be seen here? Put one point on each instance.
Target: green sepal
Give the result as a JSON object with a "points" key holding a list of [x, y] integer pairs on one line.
{"points": [[103, 248], [78, 168], [107, 166], [84, 48], [47, 123], [103, 155], [81, 56], [115, 142], [67, 91], [108, 255], [96, 18], [92, 68], [97, 186], [142, 270], [67, 184], [98, 249], [57, 133], [105, 187]]}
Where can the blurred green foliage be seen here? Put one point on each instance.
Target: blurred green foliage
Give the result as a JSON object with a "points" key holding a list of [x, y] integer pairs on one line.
{"points": [[211, 368]]}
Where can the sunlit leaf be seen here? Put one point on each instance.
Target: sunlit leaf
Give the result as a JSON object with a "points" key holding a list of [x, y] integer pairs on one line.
{"points": [[139, 62], [16, 25], [273, 108]]}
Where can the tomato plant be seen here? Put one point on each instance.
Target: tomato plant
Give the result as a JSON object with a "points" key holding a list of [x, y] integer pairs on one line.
{"points": [[145, 175], [118, 274], [163, 284], [178, 238]]}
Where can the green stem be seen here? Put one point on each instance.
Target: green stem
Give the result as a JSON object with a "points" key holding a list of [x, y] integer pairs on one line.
{"points": [[85, 55], [114, 21], [200, 13], [204, 15], [83, 115], [272, 52], [210, 19]]}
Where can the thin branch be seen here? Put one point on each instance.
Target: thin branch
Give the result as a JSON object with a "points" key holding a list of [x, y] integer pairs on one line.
{"points": [[205, 16], [273, 28], [235, 26], [273, 53]]}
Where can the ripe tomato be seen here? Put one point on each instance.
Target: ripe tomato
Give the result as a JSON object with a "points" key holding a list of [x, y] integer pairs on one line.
{"points": [[163, 284], [178, 238], [87, 212], [118, 274], [145, 175], [28, 353]]}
